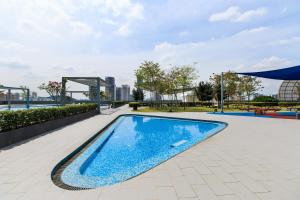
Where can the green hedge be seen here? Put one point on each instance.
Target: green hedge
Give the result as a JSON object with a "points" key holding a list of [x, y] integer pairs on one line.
{"points": [[289, 104], [10, 120], [116, 104]]}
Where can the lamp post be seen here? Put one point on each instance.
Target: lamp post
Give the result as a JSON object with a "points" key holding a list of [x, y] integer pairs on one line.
{"points": [[222, 92], [27, 98]]}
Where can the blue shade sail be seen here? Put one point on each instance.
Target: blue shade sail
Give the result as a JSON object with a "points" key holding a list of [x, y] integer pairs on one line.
{"points": [[291, 73]]}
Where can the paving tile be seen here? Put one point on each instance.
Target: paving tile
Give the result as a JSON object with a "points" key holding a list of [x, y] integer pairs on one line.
{"points": [[204, 192], [228, 197], [193, 198], [166, 193], [216, 185], [173, 170], [223, 175], [269, 196], [252, 185], [241, 191], [183, 162], [201, 168], [192, 176], [162, 178], [182, 187], [276, 189]]}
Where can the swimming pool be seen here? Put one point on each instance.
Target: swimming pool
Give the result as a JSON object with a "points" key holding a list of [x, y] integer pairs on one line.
{"points": [[132, 145]]}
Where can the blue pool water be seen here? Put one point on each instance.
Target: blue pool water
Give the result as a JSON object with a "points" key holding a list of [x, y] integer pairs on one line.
{"points": [[132, 145]]}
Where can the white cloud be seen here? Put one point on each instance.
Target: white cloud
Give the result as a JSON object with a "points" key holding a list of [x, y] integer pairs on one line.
{"points": [[81, 28], [183, 33], [243, 41], [124, 30], [120, 13], [14, 46], [252, 31], [122, 8], [13, 63], [64, 69], [108, 21], [270, 63], [234, 14], [11, 45], [287, 41]]}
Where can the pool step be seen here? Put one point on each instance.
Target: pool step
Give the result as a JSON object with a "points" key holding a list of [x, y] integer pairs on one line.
{"points": [[181, 142]]}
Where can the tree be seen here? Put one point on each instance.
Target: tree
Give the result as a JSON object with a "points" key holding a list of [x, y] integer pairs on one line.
{"points": [[1, 91], [94, 93], [263, 98], [250, 86], [231, 84], [138, 94], [149, 76], [298, 91], [24, 91], [171, 84], [216, 83], [53, 88], [102, 95], [187, 74], [204, 91]]}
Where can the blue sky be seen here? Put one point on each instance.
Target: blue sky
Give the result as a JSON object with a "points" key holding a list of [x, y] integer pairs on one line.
{"points": [[44, 40]]}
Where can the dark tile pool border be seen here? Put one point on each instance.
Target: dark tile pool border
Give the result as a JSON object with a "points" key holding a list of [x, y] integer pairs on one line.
{"points": [[60, 166]]}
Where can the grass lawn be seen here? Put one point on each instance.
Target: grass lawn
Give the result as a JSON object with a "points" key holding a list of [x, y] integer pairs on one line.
{"points": [[193, 109], [181, 109]]}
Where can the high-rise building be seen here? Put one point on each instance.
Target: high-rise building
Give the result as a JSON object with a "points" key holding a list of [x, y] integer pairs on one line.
{"points": [[110, 88], [125, 93], [33, 96], [2, 97], [118, 93]]}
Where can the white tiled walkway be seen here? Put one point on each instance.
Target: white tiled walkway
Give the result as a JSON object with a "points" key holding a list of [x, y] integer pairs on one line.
{"points": [[253, 158]]}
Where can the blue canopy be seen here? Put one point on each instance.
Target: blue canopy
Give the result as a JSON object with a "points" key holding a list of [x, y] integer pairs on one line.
{"points": [[291, 73]]}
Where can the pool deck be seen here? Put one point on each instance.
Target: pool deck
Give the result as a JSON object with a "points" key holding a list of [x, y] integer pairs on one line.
{"points": [[253, 158]]}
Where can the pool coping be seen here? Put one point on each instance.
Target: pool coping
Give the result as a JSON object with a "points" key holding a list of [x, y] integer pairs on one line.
{"points": [[61, 165]]}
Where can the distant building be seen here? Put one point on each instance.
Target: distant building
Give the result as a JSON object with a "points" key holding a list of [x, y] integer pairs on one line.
{"points": [[110, 88], [33, 96], [288, 91], [2, 97], [44, 99], [154, 96], [11, 97], [118, 93], [125, 93], [191, 98], [15, 97]]}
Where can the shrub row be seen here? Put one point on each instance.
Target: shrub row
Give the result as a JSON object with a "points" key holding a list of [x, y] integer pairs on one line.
{"points": [[139, 104], [10, 120], [210, 104], [116, 104], [266, 104]]}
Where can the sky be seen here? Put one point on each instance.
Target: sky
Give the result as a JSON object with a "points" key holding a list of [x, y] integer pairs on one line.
{"points": [[44, 40]]}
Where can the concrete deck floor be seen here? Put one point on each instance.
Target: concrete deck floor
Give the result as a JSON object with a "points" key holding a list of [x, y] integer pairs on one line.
{"points": [[253, 158]]}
